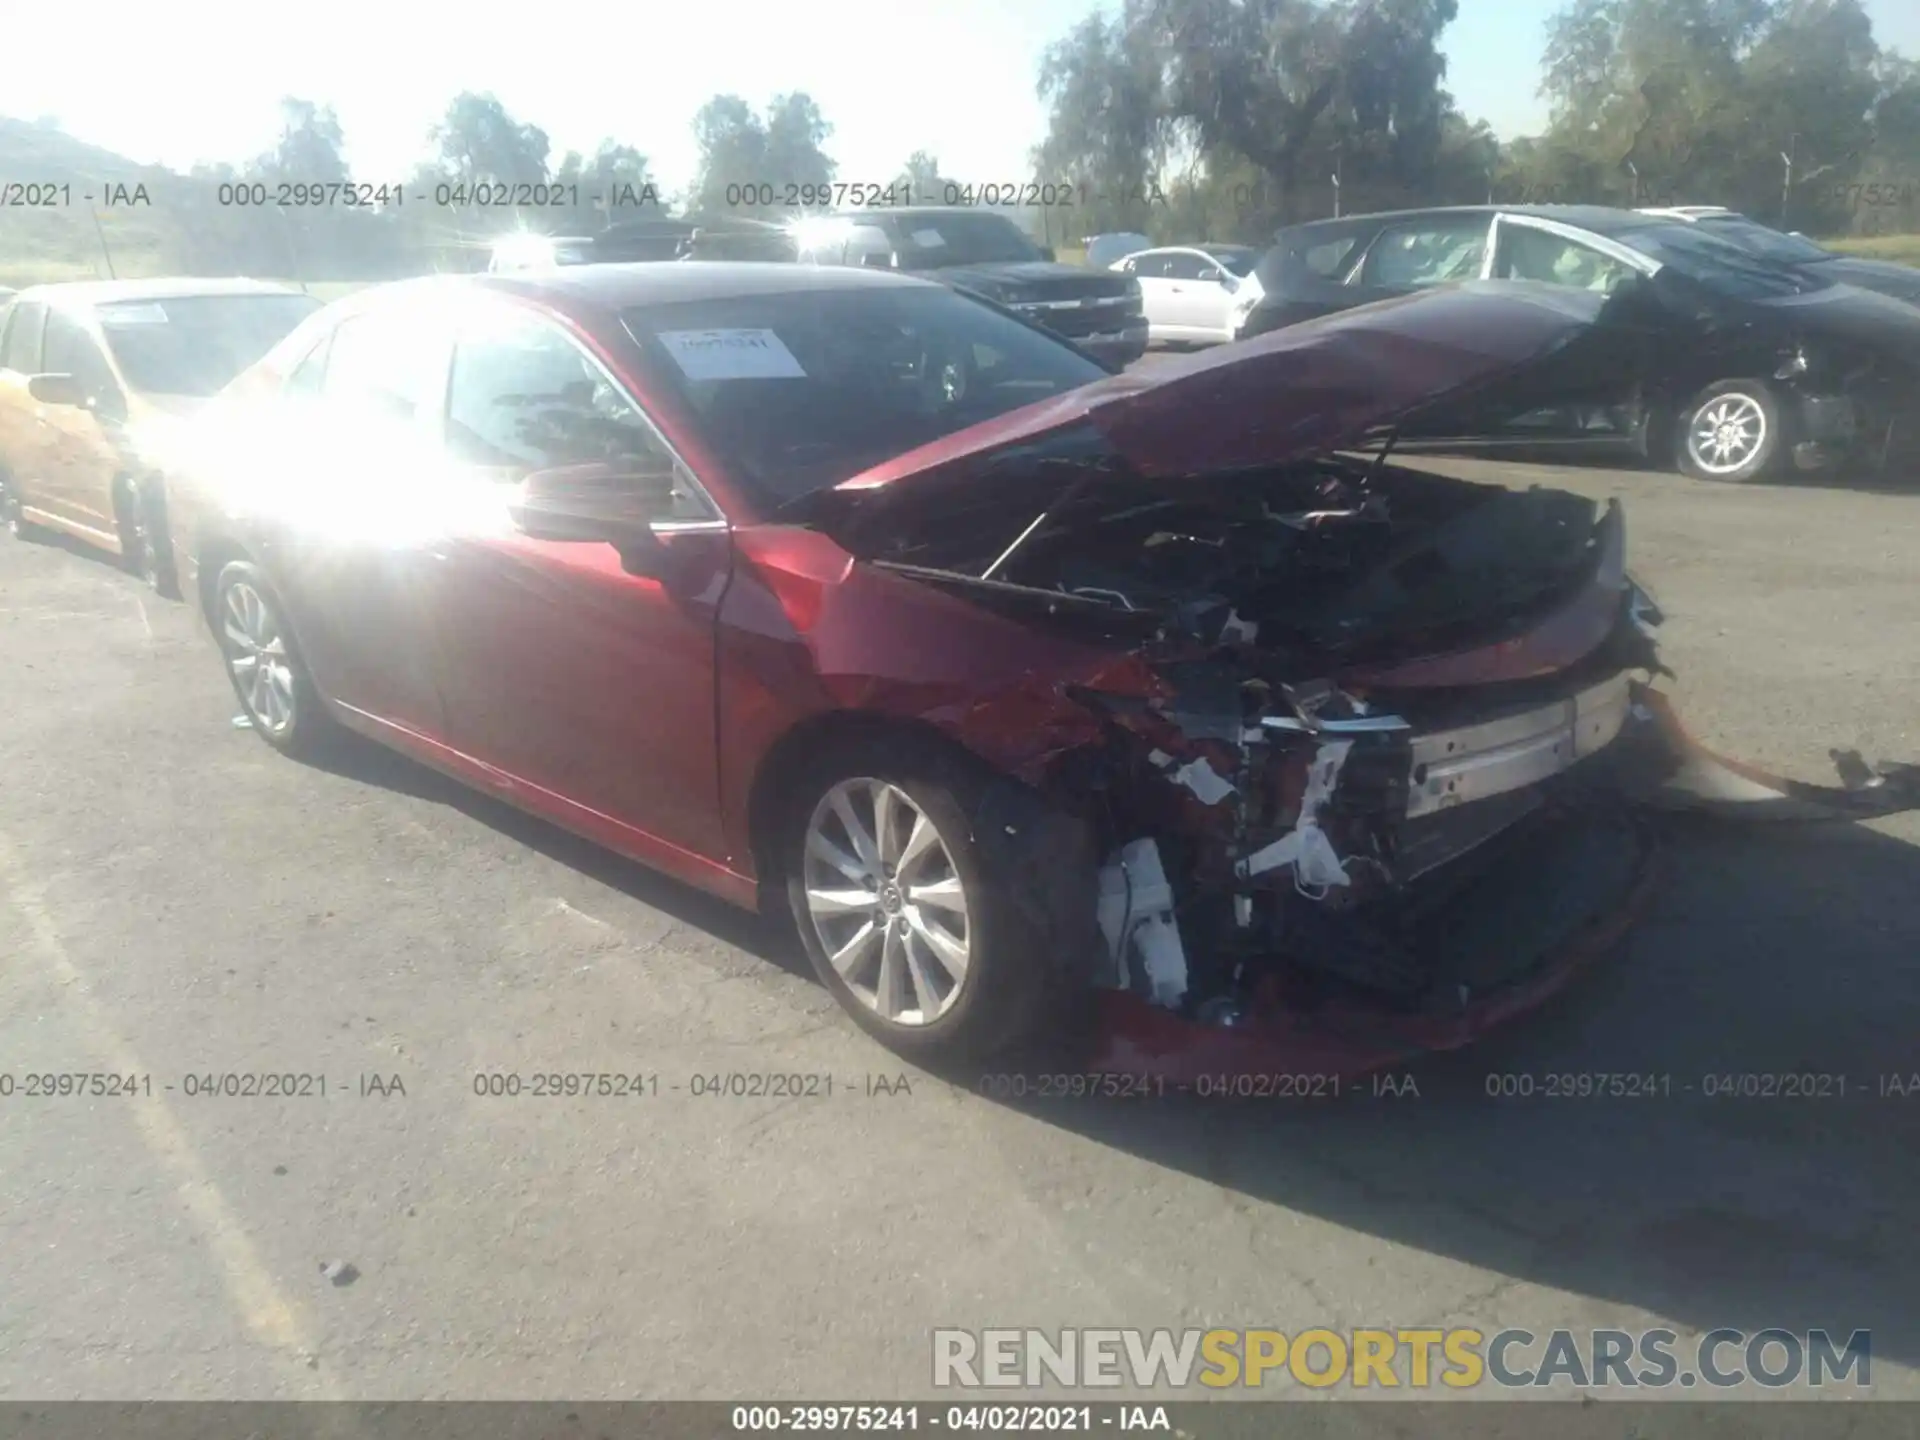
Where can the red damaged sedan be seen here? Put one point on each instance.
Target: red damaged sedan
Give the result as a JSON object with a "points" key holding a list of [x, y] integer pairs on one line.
{"points": [[1036, 694]]}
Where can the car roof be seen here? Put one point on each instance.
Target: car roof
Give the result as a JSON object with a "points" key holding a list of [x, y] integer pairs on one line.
{"points": [[1600, 219], [83, 293], [665, 282], [1689, 212], [918, 212]]}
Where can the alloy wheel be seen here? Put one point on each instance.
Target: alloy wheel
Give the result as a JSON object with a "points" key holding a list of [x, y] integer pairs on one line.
{"points": [[256, 651], [886, 901], [1726, 433]]}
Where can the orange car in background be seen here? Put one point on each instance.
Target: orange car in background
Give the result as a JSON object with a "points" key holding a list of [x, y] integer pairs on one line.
{"points": [[93, 376]]}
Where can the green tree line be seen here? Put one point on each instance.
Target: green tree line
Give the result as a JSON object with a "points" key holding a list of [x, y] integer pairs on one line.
{"points": [[1186, 119]]}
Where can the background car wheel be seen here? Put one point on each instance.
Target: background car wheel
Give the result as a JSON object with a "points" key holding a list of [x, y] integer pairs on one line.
{"points": [[896, 911], [1730, 431], [145, 544], [264, 664], [18, 527]]}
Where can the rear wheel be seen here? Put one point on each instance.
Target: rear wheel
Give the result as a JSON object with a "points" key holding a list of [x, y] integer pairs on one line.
{"points": [[896, 912], [1730, 431], [264, 665], [17, 525]]}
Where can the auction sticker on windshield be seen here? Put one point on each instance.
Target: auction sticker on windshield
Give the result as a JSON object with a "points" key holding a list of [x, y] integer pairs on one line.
{"points": [[731, 355], [149, 314]]}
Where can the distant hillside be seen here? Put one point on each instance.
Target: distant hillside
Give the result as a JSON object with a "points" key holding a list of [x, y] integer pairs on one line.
{"points": [[58, 241], [72, 209]]}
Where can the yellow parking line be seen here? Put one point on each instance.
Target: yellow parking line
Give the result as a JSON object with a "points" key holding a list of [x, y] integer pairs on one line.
{"points": [[262, 1308]]}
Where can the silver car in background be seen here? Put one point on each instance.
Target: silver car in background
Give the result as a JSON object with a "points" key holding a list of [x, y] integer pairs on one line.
{"points": [[1190, 291]]}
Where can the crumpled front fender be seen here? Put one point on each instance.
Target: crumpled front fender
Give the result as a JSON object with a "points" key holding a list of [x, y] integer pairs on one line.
{"points": [[1662, 767]]}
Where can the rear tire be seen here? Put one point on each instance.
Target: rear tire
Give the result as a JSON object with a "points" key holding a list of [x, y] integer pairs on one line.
{"points": [[896, 910], [1732, 431], [264, 666], [18, 526]]}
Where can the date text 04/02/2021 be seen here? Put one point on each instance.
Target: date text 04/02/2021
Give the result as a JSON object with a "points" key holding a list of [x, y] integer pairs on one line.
{"points": [[992, 1419]]}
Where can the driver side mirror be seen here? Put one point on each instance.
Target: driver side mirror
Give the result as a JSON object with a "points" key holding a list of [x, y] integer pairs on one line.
{"points": [[57, 390], [597, 504]]}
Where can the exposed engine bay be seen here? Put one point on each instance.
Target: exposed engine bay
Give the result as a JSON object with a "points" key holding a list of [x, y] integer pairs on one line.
{"points": [[1299, 813]]}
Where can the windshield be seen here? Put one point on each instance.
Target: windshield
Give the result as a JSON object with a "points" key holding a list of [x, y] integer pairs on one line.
{"points": [[800, 391], [195, 344], [928, 242], [1718, 266], [1767, 243]]}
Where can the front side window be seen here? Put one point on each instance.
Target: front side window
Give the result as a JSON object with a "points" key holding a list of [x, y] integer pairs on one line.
{"points": [[22, 349], [524, 397], [1430, 253], [70, 350], [1528, 254], [194, 345], [384, 364], [801, 390], [1191, 267]]}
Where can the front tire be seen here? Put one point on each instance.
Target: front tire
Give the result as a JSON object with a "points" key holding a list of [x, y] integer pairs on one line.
{"points": [[895, 908], [1732, 431], [263, 664], [146, 546]]}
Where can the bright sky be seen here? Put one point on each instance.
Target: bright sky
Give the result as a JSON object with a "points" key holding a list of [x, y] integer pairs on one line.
{"points": [[201, 79]]}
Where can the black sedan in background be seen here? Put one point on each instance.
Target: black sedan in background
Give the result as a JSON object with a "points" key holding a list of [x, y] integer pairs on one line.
{"points": [[1723, 363]]}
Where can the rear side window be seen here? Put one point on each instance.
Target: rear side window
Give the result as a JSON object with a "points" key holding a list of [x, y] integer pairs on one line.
{"points": [[21, 349], [1190, 267], [1296, 258], [1328, 260], [1430, 253]]}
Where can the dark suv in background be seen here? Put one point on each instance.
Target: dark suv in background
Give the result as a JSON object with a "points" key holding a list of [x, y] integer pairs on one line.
{"points": [[988, 254]]}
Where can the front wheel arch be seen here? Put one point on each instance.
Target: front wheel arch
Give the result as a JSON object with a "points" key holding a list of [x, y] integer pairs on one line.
{"points": [[771, 797]]}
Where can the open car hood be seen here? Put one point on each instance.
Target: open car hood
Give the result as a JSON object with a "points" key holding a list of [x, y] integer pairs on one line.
{"points": [[1281, 397]]}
